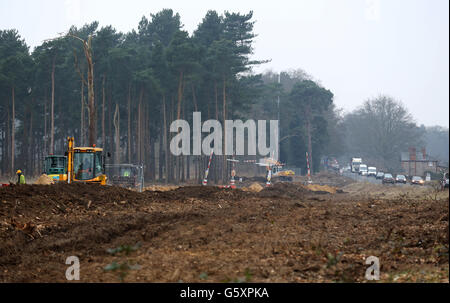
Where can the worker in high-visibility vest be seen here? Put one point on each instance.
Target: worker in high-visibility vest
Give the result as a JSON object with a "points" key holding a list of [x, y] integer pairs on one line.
{"points": [[20, 177]]}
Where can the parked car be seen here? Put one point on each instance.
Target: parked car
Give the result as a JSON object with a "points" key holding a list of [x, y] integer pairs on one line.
{"points": [[417, 180], [372, 171], [400, 179], [379, 175], [387, 178]]}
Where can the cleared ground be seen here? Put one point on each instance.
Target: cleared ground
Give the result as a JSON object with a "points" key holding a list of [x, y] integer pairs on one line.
{"points": [[286, 233]]}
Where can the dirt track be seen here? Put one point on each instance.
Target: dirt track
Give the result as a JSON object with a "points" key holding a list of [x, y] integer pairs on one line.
{"points": [[192, 234]]}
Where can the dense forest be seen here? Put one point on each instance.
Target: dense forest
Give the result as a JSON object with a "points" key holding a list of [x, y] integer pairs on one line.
{"points": [[121, 91]]}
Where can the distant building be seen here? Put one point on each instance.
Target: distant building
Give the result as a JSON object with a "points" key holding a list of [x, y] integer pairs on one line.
{"points": [[418, 163]]}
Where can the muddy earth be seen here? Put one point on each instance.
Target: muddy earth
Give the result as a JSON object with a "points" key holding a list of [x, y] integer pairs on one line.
{"points": [[284, 233]]}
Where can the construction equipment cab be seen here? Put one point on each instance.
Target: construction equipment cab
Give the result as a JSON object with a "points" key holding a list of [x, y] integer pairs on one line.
{"points": [[56, 167], [85, 164], [283, 174]]}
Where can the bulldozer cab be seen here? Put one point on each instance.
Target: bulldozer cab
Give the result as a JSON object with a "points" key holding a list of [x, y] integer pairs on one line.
{"points": [[55, 166], [276, 169], [85, 164]]}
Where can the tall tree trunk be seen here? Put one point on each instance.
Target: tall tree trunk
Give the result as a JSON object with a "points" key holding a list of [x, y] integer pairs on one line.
{"points": [[138, 141], [165, 141], [196, 158], [216, 95], [8, 167], [45, 124], [117, 134], [139, 127], [129, 124], [160, 152], [308, 133], [103, 112], [82, 131], [52, 110], [180, 95], [13, 130], [194, 98], [143, 134], [224, 162], [25, 136], [30, 143], [110, 118], [172, 157], [2, 150], [183, 157], [215, 163], [145, 141], [92, 112]]}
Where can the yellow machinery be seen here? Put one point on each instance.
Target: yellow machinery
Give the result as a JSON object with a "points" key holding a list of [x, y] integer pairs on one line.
{"points": [[85, 164], [284, 175], [277, 172], [55, 166]]}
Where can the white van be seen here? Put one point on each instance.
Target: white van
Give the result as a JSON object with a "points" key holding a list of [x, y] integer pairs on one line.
{"points": [[363, 170], [372, 171]]}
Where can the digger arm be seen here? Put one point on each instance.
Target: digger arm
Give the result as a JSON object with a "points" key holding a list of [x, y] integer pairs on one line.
{"points": [[70, 143]]}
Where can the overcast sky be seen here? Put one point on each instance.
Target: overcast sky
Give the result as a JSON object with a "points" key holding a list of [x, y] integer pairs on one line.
{"points": [[356, 48]]}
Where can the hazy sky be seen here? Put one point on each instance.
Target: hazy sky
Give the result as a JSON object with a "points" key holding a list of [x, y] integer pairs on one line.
{"points": [[356, 48]]}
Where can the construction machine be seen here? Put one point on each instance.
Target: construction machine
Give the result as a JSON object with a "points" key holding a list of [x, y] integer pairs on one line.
{"points": [[277, 171], [125, 175], [85, 164], [55, 166], [283, 174]]}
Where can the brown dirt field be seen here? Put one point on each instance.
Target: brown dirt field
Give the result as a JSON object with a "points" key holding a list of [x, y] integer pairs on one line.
{"points": [[284, 233]]}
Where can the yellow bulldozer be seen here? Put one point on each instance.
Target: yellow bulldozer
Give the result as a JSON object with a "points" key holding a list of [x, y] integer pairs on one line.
{"points": [[85, 164]]}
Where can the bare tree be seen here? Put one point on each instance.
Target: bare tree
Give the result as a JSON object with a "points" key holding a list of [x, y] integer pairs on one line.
{"points": [[380, 129], [87, 47], [52, 115]]}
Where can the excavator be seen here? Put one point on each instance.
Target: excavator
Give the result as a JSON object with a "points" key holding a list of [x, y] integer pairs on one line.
{"points": [[85, 164]]}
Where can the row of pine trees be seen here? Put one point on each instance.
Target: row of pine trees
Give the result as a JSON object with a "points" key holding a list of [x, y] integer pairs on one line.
{"points": [[122, 91]]}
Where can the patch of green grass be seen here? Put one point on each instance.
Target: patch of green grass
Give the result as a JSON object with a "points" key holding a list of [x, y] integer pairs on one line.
{"points": [[123, 267], [333, 259], [245, 279]]}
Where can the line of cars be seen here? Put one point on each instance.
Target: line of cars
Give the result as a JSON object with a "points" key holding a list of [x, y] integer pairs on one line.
{"points": [[387, 178], [362, 169], [356, 166]]}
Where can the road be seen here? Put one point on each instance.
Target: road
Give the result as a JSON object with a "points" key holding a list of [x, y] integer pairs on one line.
{"points": [[373, 180]]}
